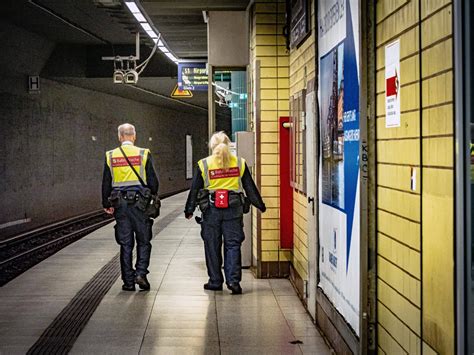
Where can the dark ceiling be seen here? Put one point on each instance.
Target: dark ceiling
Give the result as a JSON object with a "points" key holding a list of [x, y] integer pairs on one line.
{"points": [[72, 21], [182, 23]]}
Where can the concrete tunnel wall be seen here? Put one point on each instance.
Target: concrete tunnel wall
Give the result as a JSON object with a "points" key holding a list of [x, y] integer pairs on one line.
{"points": [[51, 167]]}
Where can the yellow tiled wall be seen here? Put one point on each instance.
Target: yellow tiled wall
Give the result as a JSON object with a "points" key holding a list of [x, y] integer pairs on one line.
{"points": [[267, 45], [415, 228], [302, 70]]}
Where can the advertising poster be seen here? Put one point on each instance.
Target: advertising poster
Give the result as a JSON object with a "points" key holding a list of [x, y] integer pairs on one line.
{"points": [[338, 40]]}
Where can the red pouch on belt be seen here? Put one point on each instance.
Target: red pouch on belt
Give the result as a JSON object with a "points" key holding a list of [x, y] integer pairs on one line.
{"points": [[221, 199]]}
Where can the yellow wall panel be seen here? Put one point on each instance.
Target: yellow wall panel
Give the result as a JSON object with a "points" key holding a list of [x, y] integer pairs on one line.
{"points": [[400, 306], [271, 191], [403, 19], [269, 126], [271, 224], [270, 213], [272, 202], [270, 245], [405, 151], [388, 345], [398, 254], [269, 7], [268, 116], [435, 60], [268, 73], [430, 6], [397, 177], [269, 170], [266, 19], [405, 231], [270, 234], [268, 94], [283, 72], [266, 40], [438, 151], [386, 8], [267, 61], [268, 83], [437, 27], [405, 284], [266, 51], [438, 90], [269, 105], [270, 181], [409, 127], [399, 331], [438, 120], [283, 94], [269, 137], [438, 240], [266, 30]]}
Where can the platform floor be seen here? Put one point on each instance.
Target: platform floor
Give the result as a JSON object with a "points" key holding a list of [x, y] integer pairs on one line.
{"points": [[175, 317]]}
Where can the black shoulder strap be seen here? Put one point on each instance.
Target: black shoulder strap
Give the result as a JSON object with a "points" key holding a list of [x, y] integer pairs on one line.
{"points": [[131, 166]]}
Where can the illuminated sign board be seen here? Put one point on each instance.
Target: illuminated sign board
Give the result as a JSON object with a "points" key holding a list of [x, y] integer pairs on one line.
{"points": [[299, 23], [192, 76]]}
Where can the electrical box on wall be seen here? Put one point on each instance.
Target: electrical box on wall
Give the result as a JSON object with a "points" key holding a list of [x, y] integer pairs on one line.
{"points": [[245, 147]]}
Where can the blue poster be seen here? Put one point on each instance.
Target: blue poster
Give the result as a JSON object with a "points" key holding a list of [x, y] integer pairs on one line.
{"points": [[339, 233]]}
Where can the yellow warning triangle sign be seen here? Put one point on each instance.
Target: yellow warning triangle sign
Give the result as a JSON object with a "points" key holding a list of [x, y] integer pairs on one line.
{"points": [[181, 94]]}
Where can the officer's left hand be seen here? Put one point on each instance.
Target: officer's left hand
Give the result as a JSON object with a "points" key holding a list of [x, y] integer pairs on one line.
{"points": [[109, 210], [188, 215]]}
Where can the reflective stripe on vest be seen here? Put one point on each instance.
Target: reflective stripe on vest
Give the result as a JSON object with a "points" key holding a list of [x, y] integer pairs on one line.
{"points": [[122, 174], [216, 178]]}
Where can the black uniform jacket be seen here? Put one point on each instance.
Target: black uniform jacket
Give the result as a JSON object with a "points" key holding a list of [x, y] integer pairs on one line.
{"points": [[248, 184], [151, 181]]}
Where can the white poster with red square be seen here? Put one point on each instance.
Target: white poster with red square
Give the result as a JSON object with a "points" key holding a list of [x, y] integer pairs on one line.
{"points": [[392, 84]]}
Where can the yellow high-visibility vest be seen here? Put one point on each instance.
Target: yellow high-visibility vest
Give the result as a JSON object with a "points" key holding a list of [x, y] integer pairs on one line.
{"points": [[122, 174], [217, 178]]}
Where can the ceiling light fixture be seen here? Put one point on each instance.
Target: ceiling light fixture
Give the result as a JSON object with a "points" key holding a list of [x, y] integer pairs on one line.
{"points": [[139, 15], [132, 7]]}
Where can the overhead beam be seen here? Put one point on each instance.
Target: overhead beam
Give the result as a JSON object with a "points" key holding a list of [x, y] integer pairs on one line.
{"points": [[154, 7]]}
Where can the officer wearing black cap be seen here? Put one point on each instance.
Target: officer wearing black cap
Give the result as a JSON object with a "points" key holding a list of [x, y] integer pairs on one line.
{"points": [[218, 186], [121, 193]]}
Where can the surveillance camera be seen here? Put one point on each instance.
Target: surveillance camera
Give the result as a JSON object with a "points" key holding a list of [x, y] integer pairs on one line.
{"points": [[131, 77], [118, 77]]}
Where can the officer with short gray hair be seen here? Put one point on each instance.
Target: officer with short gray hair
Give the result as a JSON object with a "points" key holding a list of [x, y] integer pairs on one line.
{"points": [[122, 190]]}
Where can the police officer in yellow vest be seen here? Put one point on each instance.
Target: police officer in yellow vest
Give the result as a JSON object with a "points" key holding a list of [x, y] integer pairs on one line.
{"points": [[218, 187], [121, 189]]}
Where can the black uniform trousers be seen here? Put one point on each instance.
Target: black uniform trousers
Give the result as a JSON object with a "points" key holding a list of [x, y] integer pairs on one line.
{"points": [[227, 223], [131, 224]]}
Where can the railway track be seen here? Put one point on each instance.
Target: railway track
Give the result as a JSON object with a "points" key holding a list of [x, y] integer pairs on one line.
{"points": [[21, 252]]}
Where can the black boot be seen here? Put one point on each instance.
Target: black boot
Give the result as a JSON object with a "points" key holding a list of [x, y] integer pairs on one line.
{"points": [[142, 282], [235, 288], [210, 287]]}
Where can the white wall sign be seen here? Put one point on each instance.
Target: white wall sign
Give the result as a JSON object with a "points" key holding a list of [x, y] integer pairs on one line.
{"points": [[189, 156], [392, 84]]}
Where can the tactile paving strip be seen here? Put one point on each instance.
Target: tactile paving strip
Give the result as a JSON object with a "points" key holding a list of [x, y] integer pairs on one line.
{"points": [[62, 333]]}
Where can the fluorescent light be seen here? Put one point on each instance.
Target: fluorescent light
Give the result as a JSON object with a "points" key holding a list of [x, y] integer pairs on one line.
{"points": [[160, 43], [146, 26], [132, 7], [152, 34], [172, 57], [139, 16], [163, 49]]}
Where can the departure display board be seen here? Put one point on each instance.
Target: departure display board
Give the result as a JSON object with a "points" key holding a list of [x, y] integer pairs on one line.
{"points": [[192, 76], [299, 25]]}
